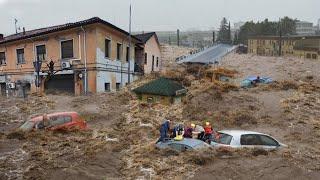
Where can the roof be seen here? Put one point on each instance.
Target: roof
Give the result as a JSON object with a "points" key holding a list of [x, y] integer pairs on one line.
{"points": [[194, 143], [57, 28], [297, 37], [162, 87], [308, 44], [239, 132], [38, 118], [144, 37]]}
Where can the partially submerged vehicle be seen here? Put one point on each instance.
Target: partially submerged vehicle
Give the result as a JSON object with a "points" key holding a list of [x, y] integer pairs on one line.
{"points": [[182, 145], [55, 121], [246, 139], [251, 81]]}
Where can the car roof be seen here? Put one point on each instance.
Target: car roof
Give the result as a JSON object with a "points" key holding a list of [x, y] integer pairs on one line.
{"points": [[188, 141], [239, 132], [38, 118]]}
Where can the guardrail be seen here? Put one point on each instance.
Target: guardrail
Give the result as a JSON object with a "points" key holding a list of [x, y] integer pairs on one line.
{"points": [[195, 53]]}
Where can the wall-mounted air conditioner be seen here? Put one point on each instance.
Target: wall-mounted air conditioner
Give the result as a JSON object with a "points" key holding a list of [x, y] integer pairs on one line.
{"points": [[11, 85], [65, 65]]}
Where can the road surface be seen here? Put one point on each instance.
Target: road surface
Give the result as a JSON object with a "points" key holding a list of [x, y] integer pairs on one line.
{"points": [[210, 55]]}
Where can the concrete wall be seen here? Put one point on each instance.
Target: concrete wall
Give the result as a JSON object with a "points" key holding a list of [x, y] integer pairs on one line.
{"points": [[112, 70], [152, 48]]}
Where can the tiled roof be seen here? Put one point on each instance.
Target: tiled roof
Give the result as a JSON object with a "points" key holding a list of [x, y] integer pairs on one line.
{"points": [[146, 36], [161, 86], [52, 29]]}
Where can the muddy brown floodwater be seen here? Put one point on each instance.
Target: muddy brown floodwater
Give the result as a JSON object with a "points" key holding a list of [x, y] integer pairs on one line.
{"points": [[120, 142]]}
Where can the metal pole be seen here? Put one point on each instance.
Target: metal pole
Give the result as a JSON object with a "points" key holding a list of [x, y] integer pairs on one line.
{"points": [[129, 45], [280, 38]]}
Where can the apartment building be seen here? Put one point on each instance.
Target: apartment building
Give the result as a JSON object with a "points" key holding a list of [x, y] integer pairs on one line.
{"points": [[89, 56], [297, 46], [305, 28]]}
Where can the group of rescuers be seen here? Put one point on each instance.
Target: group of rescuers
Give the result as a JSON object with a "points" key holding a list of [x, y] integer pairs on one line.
{"points": [[179, 131]]}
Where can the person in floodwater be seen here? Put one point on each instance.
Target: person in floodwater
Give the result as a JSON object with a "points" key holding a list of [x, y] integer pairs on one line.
{"points": [[164, 129], [44, 123], [189, 131], [178, 130], [198, 132]]}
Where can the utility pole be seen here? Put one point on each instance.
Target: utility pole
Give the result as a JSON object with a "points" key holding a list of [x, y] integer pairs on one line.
{"points": [[129, 44], [178, 37], [280, 38], [213, 37]]}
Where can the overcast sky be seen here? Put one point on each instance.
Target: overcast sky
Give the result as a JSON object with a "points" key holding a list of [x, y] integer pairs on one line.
{"points": [[152, 15]]}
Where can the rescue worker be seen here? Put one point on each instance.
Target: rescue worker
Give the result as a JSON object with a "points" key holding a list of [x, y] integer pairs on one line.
{"points": [[208, 133], [164, 129], [189, 130], [198, 132]]}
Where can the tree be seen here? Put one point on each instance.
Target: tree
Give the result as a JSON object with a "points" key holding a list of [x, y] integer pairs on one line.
{"points": [[224, 34], [267, 28]]}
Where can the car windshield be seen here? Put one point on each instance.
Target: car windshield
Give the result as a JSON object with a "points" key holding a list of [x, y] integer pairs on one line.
{"points": [[27, 126], [224, 139]]}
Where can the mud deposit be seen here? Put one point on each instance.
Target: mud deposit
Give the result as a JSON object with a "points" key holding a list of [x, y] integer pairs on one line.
{"points": [[120, 142]]}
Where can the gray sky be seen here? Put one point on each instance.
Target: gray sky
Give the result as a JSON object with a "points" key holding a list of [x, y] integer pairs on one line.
{"points": [[152, 15]]}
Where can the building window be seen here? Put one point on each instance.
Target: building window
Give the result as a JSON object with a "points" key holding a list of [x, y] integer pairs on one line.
{"points": [[67, 49], [117, 86], [145, 58], [127, 54], [41, 52], [119, 48], [152, 68], [20, 56], [314, 56], [308, 56], [3, 58], [157, 61], [107, 48], [107, 87]]}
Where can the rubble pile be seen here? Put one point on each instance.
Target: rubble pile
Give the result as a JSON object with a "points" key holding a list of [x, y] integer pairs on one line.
{"points": [[169, 53]]}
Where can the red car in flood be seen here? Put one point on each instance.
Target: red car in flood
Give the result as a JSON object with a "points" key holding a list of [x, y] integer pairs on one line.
{"points": [[56, 121]]}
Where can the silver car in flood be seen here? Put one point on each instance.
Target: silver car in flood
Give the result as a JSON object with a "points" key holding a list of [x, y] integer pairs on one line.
{"points": [[246, 139], [183, 145]]}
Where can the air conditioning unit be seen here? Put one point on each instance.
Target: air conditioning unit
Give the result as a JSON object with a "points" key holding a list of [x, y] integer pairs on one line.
{"points": [[11, 85], [65, 65]]}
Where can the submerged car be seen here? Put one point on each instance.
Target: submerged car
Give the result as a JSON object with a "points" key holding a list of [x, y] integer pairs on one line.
{"points": [[252, 80], [246, 139], [183, 145], [55, 121]]}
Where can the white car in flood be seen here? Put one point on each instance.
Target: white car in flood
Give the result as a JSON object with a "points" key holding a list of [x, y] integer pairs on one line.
{"points": [[246, 139]]}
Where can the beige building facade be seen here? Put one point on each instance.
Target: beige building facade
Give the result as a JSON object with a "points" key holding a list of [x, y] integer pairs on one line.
{"points": [[89, 56]]}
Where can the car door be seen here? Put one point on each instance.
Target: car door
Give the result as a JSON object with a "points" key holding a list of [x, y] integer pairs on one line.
{"points": [[250, 141], [69, 122], [61, 122], [179, 147], [268, 142]]}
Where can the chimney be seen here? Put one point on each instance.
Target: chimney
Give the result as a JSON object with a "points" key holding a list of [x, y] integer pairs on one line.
{"points": [[1, 36], [24, 31]]}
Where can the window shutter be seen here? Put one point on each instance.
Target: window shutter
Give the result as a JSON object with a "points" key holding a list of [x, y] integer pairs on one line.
{"points": [[67, 49]]}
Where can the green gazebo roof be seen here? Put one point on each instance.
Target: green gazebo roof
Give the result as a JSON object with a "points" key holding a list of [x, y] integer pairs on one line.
{"points": [[162, 87]]}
